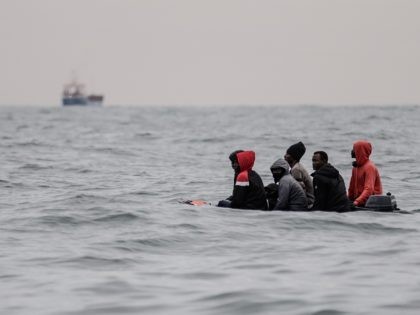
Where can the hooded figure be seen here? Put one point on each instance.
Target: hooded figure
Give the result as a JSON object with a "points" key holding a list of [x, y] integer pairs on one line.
{"points": [[365, 180], [329, 189], [291, 195], [293, 155], [248, 189]]}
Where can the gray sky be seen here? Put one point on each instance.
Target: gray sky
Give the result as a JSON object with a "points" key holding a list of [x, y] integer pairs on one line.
{"points": [[212, 52]]}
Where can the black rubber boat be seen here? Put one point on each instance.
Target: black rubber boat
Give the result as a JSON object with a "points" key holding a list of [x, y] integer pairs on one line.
{"points": [[379, 203]]}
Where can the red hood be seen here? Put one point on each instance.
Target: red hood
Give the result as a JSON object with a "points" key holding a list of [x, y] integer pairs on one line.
{"points": [[362, 150], [246, 160]]}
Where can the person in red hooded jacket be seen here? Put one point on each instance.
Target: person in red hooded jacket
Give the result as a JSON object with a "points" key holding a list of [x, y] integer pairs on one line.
{"points": [[365, 180], [248, 189]]}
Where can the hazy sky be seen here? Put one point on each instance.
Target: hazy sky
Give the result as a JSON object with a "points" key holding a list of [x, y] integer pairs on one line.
{"points": [[212, 52]]}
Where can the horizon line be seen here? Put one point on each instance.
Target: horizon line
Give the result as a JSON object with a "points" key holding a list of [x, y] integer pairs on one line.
{"points": [[218, 105]]}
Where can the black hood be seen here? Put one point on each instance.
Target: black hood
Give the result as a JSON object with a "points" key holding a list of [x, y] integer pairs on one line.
{"points": [[328, 171], [233, 157]]}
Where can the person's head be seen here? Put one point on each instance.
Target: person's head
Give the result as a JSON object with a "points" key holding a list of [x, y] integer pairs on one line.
{"points": [[234, 160], [277, 174], [294, 153], [279, 169], [242, 160], [319, 159], [361, 152]]}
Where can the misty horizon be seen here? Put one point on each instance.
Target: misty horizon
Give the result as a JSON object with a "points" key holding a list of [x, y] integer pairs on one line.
{"points": [[212, 53]]}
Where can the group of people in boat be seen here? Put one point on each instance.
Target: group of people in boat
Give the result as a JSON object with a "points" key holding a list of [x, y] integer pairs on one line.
{"points": [[294, 189]]}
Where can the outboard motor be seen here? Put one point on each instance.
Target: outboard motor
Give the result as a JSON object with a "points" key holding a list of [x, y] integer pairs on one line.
{"points": [[385, 203]]}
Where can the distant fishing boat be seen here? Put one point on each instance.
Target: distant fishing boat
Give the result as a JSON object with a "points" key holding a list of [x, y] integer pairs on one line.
{"points": [[74, 94]]}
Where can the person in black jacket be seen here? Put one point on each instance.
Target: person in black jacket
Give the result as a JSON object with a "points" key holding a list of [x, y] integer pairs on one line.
{"points": [[329, 186], [248, 189]]}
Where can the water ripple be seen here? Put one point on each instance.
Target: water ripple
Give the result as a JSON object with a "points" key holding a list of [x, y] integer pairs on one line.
{"points": [[120, 217]]}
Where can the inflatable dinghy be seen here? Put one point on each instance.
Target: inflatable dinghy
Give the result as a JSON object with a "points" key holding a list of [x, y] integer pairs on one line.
{"points": [[379, 203]]}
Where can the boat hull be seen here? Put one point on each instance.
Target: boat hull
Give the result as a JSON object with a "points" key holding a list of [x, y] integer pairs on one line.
{"points": [[80, 101]]}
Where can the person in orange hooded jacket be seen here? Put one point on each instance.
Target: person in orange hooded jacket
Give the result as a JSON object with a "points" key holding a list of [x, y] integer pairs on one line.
{"points": [[365, 179]]}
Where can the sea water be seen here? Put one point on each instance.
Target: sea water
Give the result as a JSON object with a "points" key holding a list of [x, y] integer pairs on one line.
{"points": [[90, 219]]}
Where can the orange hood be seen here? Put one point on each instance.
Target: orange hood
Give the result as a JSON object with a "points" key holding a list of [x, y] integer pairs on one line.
{"points": [[362, 150], [246, 160]]}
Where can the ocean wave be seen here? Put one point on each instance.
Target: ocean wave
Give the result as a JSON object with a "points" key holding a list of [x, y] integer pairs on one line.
{"points": [[119, 217], [328, 312], [44, 186], [196, 182], [20, 127], [35, 167], [108, 287], [54, 220], [209, 140], [185, 226], [376, 117], [202, 275], [110, 308], [410, 178], [246, 302], [256, 266], [141, 173], [7, 277], [145, 135], [112, 150], [401, 159], [144, 193], [84, 197], [81, 170], [365, 227], [378, 252], [31, 143], [169, 243], [95, 261]]}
